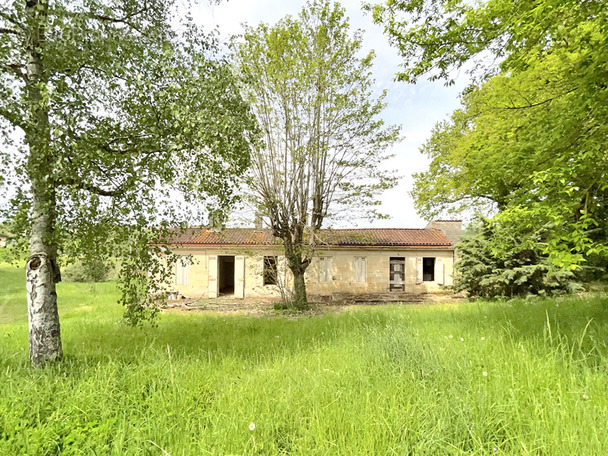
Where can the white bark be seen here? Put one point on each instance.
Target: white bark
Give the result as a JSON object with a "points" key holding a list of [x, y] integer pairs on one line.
{"points": [[42, 271], [44, 332]]}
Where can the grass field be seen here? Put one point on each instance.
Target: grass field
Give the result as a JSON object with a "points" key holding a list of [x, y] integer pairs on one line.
{"points": [[475, 378]]}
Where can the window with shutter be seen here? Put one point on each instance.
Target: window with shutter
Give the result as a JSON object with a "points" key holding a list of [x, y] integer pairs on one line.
{"points": [[360, 270], [182, 271], [325, 273]]}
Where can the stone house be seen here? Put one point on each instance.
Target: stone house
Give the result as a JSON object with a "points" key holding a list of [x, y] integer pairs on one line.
{"points": [[249, 263]]}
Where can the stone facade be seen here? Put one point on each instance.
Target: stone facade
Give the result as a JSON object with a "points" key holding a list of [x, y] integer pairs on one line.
{"points": [[242, 271]]}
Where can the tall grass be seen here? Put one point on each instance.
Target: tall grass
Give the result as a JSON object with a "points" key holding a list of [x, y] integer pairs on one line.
{"points": [[476, 378]]}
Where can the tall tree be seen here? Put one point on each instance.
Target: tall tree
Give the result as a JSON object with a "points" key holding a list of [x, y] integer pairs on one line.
{"points": [[531, 136], [113, 115], [324, 141]]}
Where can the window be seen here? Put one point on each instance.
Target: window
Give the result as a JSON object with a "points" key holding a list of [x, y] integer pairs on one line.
{"points": [[182, 271], [428, 269], [360, 270], [325, 269], [270, 270]]}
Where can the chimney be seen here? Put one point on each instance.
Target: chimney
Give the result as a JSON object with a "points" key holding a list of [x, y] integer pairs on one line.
{"points": [[259, 221], [451, 228], [217, 220]]}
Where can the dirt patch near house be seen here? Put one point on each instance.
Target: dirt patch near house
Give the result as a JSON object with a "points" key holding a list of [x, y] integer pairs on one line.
{"points": [[257, 307], [265, 307]]}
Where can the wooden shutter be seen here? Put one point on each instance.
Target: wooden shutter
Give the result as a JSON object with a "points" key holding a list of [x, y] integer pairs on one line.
{"points": [[182, 271], [418, 270], [212, 270], [259, 271], [439, 271], [325, 269], [360, 269], [322, 270], [239, 276]]}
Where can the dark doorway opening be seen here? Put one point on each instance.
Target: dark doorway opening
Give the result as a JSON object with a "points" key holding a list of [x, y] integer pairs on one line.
{"points": [[225, 269]]}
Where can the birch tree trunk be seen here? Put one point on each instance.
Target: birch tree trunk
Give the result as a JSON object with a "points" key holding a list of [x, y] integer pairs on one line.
{"points": [[42, 271]]}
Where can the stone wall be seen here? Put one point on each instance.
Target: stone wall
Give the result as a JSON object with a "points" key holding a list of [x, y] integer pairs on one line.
{"points": [[341, 278]]}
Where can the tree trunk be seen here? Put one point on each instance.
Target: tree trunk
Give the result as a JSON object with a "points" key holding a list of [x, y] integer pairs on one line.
{"points": [[299, 285], [44, 331], [41, 269]]}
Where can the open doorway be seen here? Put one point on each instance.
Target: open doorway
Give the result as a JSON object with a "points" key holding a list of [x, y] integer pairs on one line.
{"points": [[225, 270]]}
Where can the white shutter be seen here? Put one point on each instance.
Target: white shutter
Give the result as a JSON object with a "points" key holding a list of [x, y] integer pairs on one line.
{"points": [[259, 271], [439, 271], [418, 270], [360, 270], [322, 270], [182, 273], [325, 269], [212, 270], [186, 274], [239, 276]]}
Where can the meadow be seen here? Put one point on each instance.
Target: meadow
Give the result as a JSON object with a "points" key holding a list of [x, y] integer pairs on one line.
{"points": [[523, 377]]}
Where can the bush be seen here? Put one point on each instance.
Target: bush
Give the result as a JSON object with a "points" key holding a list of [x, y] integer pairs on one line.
{"points": [[521, 270], [89, 270]]}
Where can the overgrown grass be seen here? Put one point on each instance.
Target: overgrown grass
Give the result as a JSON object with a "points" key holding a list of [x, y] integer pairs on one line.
{"points": [[477, 378]]}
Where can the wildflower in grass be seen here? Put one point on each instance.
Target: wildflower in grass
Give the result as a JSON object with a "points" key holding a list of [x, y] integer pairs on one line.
{"points": [[585, 397], [251, 426], [484, 373], [462, 339], [451, 337], [483, 338]]}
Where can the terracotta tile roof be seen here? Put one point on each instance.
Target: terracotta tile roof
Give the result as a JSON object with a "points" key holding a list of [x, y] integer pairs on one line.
{"points": [[386, 237], [403, 237]]}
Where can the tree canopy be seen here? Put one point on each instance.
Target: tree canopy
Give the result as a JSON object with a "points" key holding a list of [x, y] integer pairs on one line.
{"points": [[117, 112], [531, 136], [312, 93]]}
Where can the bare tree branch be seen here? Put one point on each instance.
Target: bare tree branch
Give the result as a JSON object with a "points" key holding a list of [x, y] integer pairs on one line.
{"points": [[71, 182], [11, 31]]}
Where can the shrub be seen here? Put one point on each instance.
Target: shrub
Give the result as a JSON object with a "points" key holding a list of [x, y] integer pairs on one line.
{"points": [[89, 270], [520, 270]]}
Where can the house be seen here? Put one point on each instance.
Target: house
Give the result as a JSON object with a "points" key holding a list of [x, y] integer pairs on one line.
{"points": [[249, 262]]}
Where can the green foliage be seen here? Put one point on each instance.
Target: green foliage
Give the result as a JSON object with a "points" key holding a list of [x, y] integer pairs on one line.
{"points": [[91, 269], [310, 87], [530, 139], [374, 380], [129, 119], [516, 268]]}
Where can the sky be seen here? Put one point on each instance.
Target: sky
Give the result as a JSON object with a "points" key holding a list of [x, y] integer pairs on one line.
{"points": [[417, 108]]}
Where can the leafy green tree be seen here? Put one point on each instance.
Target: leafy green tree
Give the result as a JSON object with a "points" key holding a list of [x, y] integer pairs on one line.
{"points": [[518, 269], [116, 120], [313, 97], [530, 139]]}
